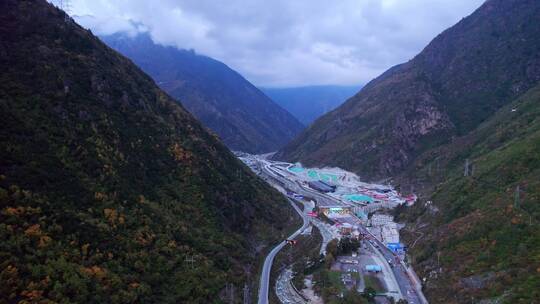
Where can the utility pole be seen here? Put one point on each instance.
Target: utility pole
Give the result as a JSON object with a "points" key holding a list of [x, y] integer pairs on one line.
{"points": [[234, 215], [290, 254], [190, 260], [246, 294], [516, 197], [230, 292]]}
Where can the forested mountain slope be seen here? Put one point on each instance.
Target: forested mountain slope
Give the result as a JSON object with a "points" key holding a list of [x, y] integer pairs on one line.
{"points": [[479, 238], [110, 192], [223, 100], [459, 80]]}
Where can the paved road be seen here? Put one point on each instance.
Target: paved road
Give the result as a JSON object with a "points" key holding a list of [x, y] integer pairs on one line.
{"points": [[285, 291], [410, 289], [405, 282], [267, 267]]}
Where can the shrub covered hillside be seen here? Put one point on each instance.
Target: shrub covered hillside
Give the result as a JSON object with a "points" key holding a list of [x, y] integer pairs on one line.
{"points": [[108, 188], [480, 237]]}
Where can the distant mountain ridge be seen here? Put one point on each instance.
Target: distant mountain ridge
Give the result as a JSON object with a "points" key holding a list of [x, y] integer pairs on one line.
{"points": [[244, 118], [310, 102], [461, 78]]}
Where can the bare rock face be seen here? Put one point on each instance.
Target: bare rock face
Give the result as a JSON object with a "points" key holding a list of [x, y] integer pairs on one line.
{"points": [[429, 119], [461, 78]]}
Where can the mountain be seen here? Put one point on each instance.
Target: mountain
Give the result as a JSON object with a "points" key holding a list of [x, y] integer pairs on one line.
{"points": [[458, 81], [224, 101], [459, 125], [309, 103], [110, 192], [478, 236]]}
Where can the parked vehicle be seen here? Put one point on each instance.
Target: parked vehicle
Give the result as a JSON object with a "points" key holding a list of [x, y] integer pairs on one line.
{"points": [[373, 268]]}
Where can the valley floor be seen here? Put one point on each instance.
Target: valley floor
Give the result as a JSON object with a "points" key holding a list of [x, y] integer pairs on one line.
{"points": [[344, 212]]}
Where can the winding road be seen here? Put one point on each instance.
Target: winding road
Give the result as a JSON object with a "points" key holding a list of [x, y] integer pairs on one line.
{"points": [[264, 283], [408, 284]]}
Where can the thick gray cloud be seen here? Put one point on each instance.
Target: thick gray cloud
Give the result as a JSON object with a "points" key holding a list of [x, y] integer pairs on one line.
{"points": [[284, 42]]}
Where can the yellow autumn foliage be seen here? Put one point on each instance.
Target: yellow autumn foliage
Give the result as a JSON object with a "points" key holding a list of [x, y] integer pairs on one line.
{"points": [[100, 196], [20, 210], [33, 230], [95, 271], [180, 154], [111, 215], [84, 249], [44, 241]]}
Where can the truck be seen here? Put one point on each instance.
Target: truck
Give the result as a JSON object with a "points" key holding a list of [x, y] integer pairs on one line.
{"points": [[373, 268], [347, 261]]}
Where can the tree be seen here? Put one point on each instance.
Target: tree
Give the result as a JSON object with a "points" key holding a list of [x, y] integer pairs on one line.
{"points": [[347, 245], [321, 280], [355, 244], [353, 297], [369, 293], [332, 247], [329, 260]]}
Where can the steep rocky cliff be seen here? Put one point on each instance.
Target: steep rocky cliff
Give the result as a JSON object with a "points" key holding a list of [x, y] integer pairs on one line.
{"points": [[461, 78]]}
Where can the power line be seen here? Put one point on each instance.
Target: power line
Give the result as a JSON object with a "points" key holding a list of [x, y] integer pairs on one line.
{"points": [[517, 196]]}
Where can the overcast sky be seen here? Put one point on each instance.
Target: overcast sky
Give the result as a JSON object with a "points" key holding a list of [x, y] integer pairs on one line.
{"points": [[283, 43]]}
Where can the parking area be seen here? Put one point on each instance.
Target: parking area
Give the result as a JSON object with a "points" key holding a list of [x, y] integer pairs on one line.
{"points": [[354, 274]]}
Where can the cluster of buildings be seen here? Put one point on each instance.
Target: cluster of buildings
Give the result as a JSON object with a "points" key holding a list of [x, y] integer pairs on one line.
{"points": [[383, 227], [322, 186], [353, 203]]}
